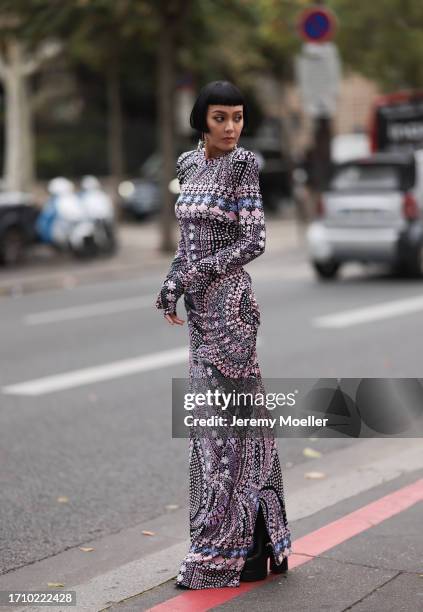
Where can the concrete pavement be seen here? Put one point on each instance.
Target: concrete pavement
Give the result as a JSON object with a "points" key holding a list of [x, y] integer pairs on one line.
{"points": [[374, 568]]}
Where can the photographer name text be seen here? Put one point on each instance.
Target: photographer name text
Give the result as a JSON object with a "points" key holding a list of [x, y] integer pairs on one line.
{"points": [[283, 421]]}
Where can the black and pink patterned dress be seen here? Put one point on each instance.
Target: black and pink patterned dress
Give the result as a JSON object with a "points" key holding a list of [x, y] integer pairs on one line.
{"points": [[221, 219]]}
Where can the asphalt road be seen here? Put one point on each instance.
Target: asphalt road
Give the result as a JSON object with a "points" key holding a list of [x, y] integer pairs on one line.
{"points": [[98, 438]]}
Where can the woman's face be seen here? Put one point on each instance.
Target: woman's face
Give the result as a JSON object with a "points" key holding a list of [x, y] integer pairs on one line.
{"points": [[225, 124]]}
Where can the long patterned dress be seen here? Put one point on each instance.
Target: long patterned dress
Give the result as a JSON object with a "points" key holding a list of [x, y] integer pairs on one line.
{"points": [[222, 227]]}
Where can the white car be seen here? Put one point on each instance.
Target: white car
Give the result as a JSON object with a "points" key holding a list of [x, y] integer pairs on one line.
{"points": [[371, 212]]}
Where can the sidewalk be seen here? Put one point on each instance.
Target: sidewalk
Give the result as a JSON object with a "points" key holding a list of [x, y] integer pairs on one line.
{"points": [[359, 556], [139, 255], [357, 545]]}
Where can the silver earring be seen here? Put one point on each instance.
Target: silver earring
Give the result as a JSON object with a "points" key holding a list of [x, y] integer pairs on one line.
{"points": [[201, 143]]}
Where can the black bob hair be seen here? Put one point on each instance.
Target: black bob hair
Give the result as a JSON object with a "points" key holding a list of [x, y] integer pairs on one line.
{"points": [[216, 92]]}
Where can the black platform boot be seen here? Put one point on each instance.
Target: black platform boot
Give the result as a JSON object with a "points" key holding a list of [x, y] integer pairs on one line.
{"points": [[275, 569], [278, 569], [255, 567]]}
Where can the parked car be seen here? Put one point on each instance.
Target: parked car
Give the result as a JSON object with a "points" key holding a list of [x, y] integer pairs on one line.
{"points": [[140, 197], [17, 225], [371, 212]]}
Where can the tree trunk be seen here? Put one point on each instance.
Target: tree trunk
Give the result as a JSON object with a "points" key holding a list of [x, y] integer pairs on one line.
{"points": [[19, 155], [115, 123], [165, 90], [28, 171]]}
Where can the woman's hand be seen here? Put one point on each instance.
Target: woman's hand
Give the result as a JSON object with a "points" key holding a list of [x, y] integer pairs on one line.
{"points": [[173, 318], [169, 294]]}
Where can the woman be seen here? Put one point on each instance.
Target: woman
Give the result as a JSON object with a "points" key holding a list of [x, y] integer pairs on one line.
{"points": [[237, 511]]}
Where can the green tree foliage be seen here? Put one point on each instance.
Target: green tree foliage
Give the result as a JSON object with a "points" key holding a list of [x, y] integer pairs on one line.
{"points": [[114, 43], [382, 40]]}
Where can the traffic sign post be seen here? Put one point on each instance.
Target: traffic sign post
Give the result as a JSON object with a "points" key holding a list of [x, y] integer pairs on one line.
{"points": [[318, 74]]}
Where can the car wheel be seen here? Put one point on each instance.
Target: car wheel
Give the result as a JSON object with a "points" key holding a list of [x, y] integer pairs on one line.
{"points": [[326, 270], [415, 264], [400, 268], [12, 247]]}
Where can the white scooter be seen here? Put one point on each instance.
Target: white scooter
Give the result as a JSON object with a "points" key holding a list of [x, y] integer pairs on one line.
{"points": [[98, 208], [70, 222]]}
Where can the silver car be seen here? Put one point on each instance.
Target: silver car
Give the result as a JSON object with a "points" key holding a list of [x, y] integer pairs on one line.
{"points": [[371, 212]]}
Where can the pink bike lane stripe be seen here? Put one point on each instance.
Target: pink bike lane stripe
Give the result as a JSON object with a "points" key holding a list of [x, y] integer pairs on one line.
{"points": [[305, 548]]}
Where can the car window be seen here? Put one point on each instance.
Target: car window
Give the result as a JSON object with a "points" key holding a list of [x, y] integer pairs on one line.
{"points": [[372, 177]]}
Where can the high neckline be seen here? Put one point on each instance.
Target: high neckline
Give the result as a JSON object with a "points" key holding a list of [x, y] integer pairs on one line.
{"points": [[213, 160]]}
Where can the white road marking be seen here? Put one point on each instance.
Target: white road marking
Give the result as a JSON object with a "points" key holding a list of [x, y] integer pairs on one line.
{"points": [[377, 312], [89, 310], [98, 309], [108, 371]]}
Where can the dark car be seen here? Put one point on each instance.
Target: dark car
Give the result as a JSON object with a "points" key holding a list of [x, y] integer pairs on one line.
{"points": [[140, 197], [17, 225]]}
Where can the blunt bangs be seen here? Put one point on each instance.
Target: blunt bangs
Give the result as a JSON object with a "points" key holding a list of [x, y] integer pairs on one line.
{"points": [[216, 92]]}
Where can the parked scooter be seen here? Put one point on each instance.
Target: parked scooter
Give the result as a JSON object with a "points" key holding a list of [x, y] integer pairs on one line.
{"points": [[98, 207], [79, 223]]}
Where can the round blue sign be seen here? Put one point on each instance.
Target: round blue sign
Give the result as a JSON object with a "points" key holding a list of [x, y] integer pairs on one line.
{"points": [[316, 25]]}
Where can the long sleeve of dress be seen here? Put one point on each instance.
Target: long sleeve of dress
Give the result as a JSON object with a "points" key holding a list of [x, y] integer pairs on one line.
{"points": [[251, 239], [172, 287]]}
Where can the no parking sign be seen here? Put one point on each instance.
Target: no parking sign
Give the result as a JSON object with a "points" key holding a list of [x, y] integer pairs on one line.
{"points": [[317, 25]]}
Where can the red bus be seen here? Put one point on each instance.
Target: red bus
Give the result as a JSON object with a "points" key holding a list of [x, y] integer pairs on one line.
{"points": [[397, 122]]}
